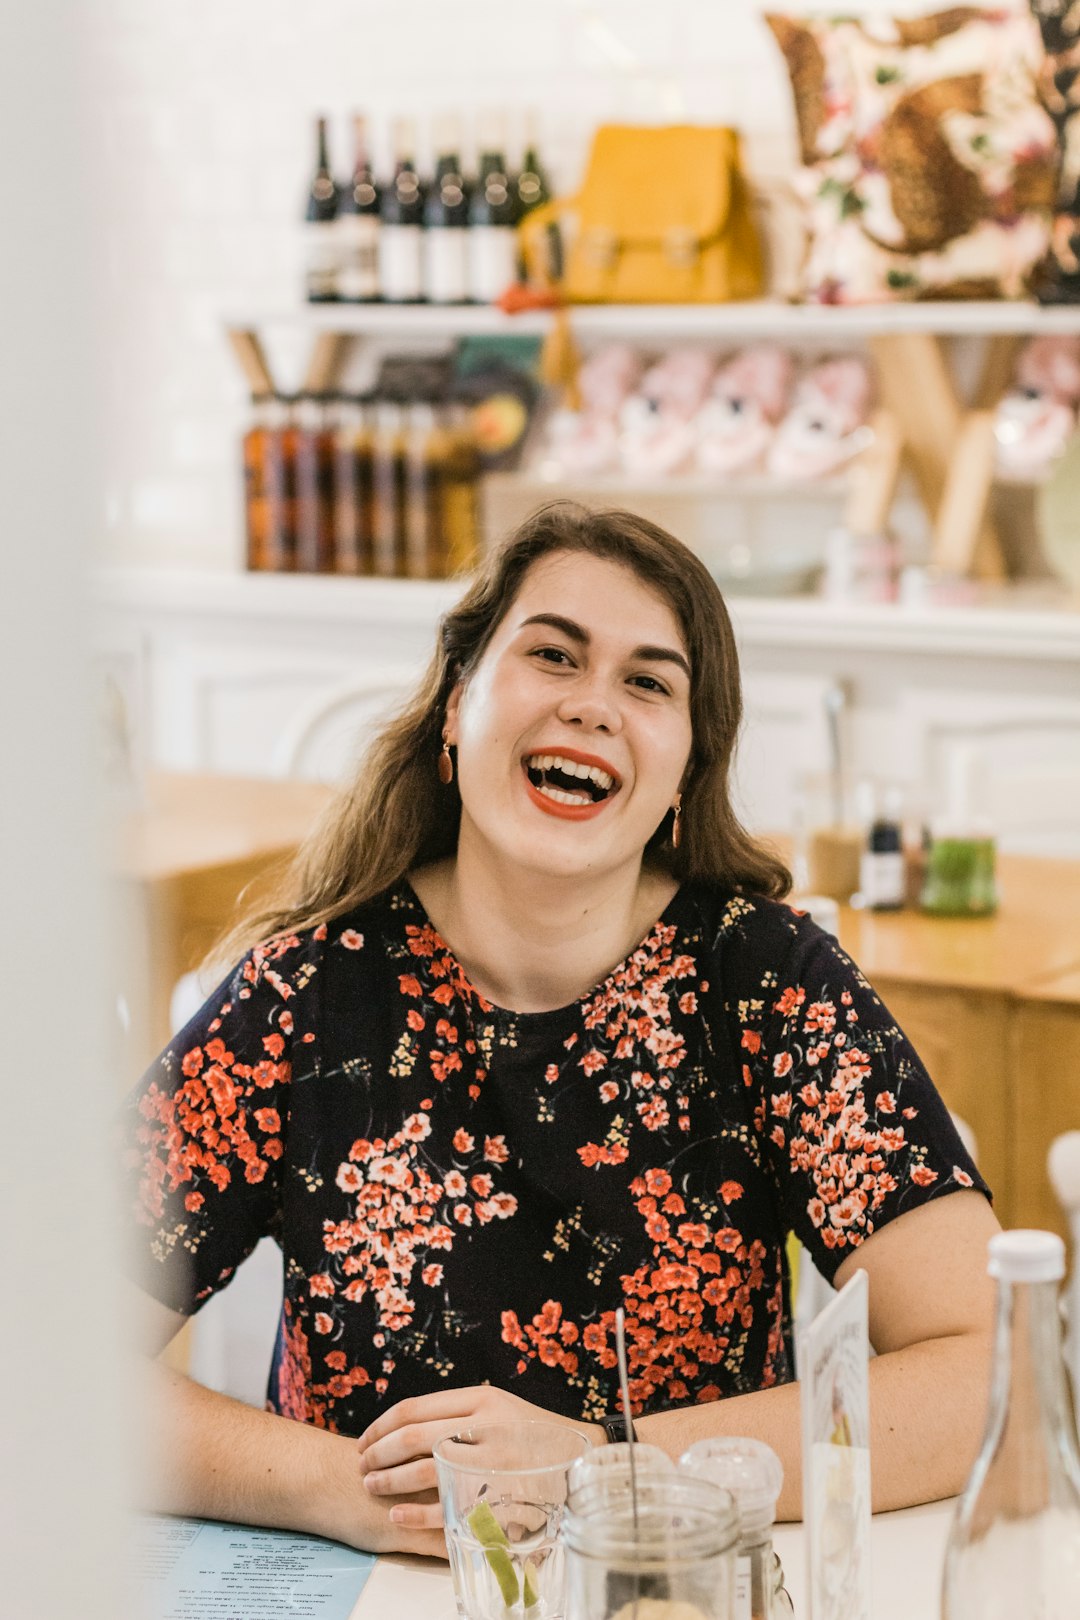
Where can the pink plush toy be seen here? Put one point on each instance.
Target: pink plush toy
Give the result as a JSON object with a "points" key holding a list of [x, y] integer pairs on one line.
{"points": [[826, 425], [587, 440], [1036, 418], [749, 395], [657, 424]]}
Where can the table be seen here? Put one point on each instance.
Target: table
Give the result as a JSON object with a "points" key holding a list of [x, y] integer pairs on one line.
{"points": [[179, 860], [993, 1008], [908, 1555]]}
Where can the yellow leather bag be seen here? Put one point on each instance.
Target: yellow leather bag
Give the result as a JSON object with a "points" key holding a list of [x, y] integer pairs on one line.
{"points": [[663, 217]]}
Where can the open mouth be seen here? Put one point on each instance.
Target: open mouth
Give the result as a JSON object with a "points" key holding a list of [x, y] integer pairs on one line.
{"points": [[569, 782]]}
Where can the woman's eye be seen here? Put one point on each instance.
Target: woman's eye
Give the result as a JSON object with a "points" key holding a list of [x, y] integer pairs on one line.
{"points": [[552, 655], [649, 683]]}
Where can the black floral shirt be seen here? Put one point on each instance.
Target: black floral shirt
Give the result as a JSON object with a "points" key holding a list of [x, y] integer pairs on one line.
{"points": [[465, 1194]]}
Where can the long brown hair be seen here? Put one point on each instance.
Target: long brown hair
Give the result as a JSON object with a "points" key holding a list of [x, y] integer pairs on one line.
{"points": [[396, 815]]}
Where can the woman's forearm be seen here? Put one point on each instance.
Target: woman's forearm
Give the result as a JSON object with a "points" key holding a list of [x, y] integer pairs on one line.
{"points": [[927, 1409], [218, 1458]]}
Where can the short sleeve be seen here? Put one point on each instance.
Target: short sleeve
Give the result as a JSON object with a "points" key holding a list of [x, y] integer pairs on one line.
{"points": [[852, 1122], [203, 1134]]}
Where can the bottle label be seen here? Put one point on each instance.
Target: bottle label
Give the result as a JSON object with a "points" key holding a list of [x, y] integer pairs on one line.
{"points": [[446, 265], [492, 261], [400, 266], [321, 258], [358, 274], [740, 1607], [882, 879]]}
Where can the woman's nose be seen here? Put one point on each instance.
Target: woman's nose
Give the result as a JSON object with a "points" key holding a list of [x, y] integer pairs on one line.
{"points": [[591, 706]]}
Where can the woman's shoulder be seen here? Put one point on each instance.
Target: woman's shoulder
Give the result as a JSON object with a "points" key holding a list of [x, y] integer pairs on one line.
{"points": [[753, 924], [301, 950]]}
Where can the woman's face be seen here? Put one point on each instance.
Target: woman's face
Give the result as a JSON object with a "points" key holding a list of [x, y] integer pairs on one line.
{"points": [[573, 733]]}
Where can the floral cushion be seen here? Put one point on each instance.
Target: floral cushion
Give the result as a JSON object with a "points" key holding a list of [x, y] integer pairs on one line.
{"points": [[1059, 24], [929, 164]]}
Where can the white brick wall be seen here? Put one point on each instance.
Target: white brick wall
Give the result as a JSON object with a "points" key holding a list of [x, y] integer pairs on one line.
{"points": [[202, 146]]}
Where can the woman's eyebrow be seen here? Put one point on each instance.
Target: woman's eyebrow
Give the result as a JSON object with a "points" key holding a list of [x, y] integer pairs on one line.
{"points": [[577, 632]]}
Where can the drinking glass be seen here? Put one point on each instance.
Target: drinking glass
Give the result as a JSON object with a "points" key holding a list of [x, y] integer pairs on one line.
{"points": [[503, 1488]]}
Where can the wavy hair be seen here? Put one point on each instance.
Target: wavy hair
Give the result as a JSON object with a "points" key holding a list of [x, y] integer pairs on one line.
{"points": [[396, 815]]}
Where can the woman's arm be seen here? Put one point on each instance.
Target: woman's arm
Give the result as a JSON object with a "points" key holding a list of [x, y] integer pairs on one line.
{"points": [[930, 1321], [221, 1459]]}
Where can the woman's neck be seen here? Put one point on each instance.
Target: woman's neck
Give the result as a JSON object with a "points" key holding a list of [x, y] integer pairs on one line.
{"points": [[531, 942]]}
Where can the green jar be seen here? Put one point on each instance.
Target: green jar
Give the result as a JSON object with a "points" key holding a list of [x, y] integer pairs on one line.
{"points": [[959, 878]]}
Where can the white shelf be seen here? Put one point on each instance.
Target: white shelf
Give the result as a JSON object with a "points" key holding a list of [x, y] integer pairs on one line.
{"points": [[1009, 626], [724, 322], [749, 486]]}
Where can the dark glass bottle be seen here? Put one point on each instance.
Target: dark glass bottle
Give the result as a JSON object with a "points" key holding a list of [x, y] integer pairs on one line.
{"points": [[531, 184], [446, 224], [401, 213], [321, 258], [388, 491], [358, 226], [280, 484], [353, 492], [493, 216], [314, 485]]}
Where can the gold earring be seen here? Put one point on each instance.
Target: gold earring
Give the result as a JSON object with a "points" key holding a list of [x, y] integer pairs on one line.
{"points": [[446, 764], [676, 826]]}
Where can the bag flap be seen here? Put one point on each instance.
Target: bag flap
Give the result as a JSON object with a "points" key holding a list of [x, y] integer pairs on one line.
{"points": [[646, 182]]}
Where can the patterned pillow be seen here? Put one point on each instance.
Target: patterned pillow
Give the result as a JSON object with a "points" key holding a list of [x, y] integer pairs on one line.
{"points": [[929, 164], [1059, 24]]}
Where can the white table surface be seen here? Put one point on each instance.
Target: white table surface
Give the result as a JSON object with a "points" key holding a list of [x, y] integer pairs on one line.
{"points": [[908, 1552]]}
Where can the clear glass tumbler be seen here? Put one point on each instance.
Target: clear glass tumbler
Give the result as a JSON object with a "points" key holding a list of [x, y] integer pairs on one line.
{"points": [[503, 1488]]}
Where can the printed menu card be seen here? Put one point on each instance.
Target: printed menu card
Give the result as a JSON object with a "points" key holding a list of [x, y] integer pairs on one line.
{"points": [[833, 1362]]}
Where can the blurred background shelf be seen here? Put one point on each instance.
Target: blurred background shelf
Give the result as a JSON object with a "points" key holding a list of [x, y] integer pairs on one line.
{"points": [[737, 322]]}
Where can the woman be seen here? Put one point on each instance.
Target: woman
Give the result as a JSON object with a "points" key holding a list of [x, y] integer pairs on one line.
{"points": [[535, 1037]]}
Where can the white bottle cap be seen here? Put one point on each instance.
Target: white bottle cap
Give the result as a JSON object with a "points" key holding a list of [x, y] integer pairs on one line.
{"points": [[1028, 1256]]}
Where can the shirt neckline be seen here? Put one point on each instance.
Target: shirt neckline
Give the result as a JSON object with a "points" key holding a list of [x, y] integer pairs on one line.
{"points": [[665, 919]]}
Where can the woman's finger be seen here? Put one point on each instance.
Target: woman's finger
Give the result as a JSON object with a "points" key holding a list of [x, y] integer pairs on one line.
{"points": [[406, 1480], [403, 1446], [420, 1521], [445, 1403]]}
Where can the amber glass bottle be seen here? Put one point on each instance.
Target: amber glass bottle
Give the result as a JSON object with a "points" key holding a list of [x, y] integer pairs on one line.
{"points": [[461, 481], [256, 514], [314, 485], [353, 491], [279, 469], [388, 485]]}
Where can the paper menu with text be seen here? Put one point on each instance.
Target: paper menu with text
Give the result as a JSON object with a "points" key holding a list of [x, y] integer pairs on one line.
{"points": [[197, 1569], [835, 1393]]}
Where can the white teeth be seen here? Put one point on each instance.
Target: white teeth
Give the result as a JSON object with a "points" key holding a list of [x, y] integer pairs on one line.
{"points": [[571, 767], [564, 798]]}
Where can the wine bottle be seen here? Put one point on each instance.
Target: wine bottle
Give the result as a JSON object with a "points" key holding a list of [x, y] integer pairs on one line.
{"points": [[358, 226], [493, 215], [531, 184], [321, 258], [446, 223], [353, 493], [314, 484], [402, 224]]}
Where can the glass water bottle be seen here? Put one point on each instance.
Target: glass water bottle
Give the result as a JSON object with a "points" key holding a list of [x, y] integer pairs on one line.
{"points": [[1014, 1548]]}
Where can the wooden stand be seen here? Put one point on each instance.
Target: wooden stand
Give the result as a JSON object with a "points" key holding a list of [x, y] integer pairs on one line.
{"points": [[921, 422]]}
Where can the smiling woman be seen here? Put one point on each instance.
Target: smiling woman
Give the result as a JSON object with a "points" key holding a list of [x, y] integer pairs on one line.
{"points": [[533, 1036]]}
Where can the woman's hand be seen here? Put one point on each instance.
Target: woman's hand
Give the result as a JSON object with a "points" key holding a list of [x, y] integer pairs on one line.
{"points": [[396, 1450]]}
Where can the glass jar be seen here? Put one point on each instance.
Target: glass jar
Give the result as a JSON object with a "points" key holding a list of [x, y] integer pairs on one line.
{"points": [[672, 1541], [754, 1474]]}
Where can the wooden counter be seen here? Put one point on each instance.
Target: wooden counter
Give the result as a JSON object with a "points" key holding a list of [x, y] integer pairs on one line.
{"points": [[993, 1007], [181, 860]]}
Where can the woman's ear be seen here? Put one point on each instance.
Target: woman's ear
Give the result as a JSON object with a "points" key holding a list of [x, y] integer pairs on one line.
{"points": [[453, 705]]}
